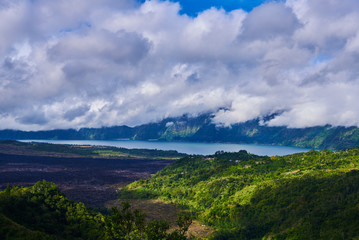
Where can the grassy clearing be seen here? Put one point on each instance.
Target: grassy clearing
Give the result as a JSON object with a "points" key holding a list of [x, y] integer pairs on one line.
{"points": [[155, 209]]}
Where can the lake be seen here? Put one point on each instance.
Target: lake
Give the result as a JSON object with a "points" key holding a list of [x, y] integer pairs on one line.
{"points": [[185, 147]]}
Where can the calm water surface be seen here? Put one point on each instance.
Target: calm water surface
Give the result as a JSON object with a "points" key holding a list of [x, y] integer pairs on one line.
{"points": [[189, 148]]}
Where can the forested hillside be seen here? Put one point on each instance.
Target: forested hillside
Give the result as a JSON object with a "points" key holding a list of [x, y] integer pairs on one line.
{"points": [[201, 129], [313, 195], [43, 212]]}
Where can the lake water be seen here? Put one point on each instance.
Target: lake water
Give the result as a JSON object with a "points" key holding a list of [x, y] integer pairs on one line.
{"points": [[185, 147]]}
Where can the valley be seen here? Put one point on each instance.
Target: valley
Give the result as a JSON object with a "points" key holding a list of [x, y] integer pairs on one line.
{"points": [[228, 195]]}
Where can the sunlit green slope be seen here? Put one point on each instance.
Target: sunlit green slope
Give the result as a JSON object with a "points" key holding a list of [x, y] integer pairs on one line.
{"points": [[313, 195]]}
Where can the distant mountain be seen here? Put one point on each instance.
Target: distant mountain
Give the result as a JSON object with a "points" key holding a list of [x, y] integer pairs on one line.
{"points": [[202, 129]]}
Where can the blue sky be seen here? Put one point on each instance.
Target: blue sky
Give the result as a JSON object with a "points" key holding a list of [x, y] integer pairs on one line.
{"points": [[192, 7]]}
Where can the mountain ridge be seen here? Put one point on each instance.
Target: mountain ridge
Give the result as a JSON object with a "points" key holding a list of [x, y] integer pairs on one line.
{"points": [[202, 129]]}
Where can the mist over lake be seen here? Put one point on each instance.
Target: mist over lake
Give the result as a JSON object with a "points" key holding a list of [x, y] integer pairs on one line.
{"points": [[185, 147]]}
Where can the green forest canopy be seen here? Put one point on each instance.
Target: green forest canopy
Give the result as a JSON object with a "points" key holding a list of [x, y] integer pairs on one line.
{"points": [[313, 195], [43, 212]]}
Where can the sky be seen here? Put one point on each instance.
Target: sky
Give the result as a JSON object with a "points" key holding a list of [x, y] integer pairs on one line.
{"points": [[93, 63], [193, 7]]}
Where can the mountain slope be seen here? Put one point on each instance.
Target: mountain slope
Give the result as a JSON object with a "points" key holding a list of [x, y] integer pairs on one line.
{"points": [[311, 195], [201, 129]]}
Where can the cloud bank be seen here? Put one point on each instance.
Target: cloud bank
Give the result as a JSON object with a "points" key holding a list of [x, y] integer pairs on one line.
{"points": [[92, 63]]}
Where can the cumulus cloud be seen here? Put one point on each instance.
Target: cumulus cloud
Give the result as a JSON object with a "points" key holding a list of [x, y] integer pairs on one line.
{"points": [[91, 63], [269, 21]]}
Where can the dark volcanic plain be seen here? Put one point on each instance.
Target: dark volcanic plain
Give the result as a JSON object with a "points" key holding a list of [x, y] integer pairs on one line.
{"points": [[93, 181]]}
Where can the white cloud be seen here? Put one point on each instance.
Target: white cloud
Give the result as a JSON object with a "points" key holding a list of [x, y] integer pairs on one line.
{"points": [[92, 63]]}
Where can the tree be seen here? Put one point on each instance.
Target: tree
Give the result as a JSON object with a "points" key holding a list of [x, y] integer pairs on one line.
{"points": [[125, 224]]}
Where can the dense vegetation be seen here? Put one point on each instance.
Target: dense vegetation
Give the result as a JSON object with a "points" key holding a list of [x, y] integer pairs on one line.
{"points": [[201, 129], [313, 195], [43, 212]]}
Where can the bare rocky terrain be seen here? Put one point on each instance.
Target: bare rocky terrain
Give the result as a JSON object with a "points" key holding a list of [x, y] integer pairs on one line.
{"points": [[92, 180]]}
